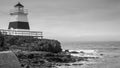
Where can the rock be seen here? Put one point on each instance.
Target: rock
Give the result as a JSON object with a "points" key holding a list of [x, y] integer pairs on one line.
{"points": [[8, 60]]}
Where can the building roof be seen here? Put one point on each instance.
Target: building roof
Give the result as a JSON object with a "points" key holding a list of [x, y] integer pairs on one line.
{"points": [[19, 5]]}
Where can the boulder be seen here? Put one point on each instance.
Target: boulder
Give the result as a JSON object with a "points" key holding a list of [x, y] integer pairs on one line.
{"points": [[8, 60]]}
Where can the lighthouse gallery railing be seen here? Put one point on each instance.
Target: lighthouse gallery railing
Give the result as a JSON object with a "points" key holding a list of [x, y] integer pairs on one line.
{"points": [[36, 34]]}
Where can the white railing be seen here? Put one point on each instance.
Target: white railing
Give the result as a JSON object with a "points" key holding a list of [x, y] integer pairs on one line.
{"points": [[36, 34]]}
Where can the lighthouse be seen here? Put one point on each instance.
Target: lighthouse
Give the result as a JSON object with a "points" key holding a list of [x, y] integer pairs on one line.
{"points": [[19, 18], [19, 25]]}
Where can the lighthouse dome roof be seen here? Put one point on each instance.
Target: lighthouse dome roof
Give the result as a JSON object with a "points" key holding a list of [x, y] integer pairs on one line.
{"points": [[19, 5]]}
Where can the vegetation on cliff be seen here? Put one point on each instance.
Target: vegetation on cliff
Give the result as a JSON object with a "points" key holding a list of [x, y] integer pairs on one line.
{"points": [[29, 44]]}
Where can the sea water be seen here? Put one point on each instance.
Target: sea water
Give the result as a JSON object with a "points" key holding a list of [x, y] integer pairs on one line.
{"points": [[109, 49]]}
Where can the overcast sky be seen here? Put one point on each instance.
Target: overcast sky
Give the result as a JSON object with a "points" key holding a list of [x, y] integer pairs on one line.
{"points": [[68, 20]]}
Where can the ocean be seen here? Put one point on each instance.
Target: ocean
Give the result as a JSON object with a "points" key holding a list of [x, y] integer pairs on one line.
{"points": [[109, 49]]}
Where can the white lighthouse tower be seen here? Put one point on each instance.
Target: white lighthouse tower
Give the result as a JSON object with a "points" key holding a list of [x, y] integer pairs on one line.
{"points": [[19, 18], [19, 25]]}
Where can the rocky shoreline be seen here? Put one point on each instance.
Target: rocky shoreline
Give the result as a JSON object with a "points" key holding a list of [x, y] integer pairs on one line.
{"points": [[40, 59], [40, 53]]}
